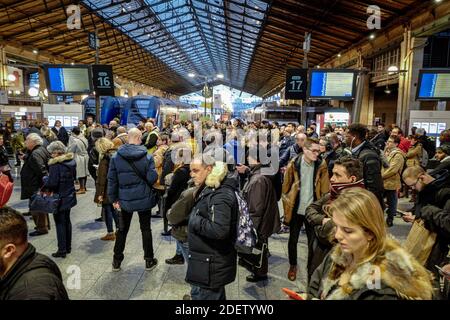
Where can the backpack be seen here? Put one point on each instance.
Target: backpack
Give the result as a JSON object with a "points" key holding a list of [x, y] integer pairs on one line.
{"points": [[247, 236], [424, 158], [6, 189]]}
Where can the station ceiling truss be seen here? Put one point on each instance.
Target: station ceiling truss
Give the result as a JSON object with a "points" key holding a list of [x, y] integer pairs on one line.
{"points": [[159, 42]]}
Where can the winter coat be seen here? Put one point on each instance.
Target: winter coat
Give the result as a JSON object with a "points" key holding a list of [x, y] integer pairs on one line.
{"points": [[101, 184], [391, 175], [290, 154], [78, 146], [235, 148], [124, 185], [443, 165], [285, 143], [149, 140], [402, 277], [212, 232], [33, 277], [168, 165], [262, 203], [414, 155], [179, 183], [62, 172], [291, 185], [34, 169], [178, 215], [120, 140], [433, 207], [158, 157], [323, 235], [369, 156], [61, 134], [379, 140]]}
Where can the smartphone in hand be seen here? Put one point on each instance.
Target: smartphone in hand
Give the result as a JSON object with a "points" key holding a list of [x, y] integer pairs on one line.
{"points": [[443, 272]]}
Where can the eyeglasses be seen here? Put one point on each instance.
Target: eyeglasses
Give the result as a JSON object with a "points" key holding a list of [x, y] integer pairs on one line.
{"points": [[414, 184], [313, 151]]}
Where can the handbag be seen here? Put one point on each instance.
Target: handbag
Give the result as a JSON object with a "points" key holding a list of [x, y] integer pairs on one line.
{"points": [[6, 189], [46, 203], [420, 241]]}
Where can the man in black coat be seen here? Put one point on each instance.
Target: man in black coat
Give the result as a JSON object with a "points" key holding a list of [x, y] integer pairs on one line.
{"points": [[61, 132], [24, 273], [369, 156], [433, 207], [35, 167]]}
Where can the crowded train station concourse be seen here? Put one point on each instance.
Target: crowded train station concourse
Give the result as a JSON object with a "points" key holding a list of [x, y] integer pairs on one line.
{"points": [[224, 150]]}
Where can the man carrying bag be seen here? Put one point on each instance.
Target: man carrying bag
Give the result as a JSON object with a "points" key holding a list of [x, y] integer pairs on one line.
{"points": [[130, 178]]}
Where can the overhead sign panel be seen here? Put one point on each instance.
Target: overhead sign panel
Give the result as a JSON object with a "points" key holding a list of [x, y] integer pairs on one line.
{"points": [[296, 84]]}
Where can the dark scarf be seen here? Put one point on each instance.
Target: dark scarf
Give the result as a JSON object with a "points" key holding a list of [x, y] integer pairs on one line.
{"points": [[336, 188]]}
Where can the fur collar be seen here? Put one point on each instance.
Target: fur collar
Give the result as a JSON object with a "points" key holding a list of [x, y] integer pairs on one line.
{"points": [[399, 271], [218, 173], [59, 159]]}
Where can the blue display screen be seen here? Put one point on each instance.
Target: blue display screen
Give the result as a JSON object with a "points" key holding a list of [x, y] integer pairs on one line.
{"points": [[70, 80], [329, 84], [434, 85]]}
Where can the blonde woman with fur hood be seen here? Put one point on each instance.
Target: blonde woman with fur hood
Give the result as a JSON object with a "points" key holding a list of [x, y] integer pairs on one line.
{"points": [[366, 264], [212, 262]]}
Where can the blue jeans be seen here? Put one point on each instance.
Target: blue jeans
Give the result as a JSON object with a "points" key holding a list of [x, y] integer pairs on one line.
{"points": [[63, 230], [209, 294], [110, 215], [184, 248], [392, 199]]}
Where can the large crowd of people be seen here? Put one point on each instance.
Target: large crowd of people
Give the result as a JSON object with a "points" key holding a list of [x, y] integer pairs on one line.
{"points": [[340, 186]]}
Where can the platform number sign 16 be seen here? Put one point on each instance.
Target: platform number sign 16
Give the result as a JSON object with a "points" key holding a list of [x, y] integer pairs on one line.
{"points": [[296, 84], [103, 79]]}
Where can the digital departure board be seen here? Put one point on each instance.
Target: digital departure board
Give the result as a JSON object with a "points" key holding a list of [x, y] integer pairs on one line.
{"points": [[434, 85], [332, 84], [68, 79]]}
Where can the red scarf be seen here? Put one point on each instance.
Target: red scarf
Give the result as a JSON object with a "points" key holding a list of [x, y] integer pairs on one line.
{"points": [[336, 188]]}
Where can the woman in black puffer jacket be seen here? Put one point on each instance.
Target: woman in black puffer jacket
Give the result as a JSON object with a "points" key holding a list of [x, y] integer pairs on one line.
{"points": [[62, 173]]}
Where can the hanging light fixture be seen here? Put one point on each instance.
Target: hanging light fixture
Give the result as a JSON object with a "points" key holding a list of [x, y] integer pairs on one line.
{"points": [[387, 90]]}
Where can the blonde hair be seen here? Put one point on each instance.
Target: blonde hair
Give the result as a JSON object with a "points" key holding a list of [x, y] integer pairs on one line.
{"points": [[103, 145], [361, 207], [413, 172]]}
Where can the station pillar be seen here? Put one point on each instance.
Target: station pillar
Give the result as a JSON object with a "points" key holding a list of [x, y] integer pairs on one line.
{"points": [[411, 61]]}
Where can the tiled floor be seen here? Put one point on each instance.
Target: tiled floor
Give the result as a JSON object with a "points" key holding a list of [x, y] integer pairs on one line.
{"points": [[93, 257]]}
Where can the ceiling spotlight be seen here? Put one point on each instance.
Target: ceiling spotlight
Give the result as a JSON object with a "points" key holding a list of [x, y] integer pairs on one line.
{"points": [[11, 77], [35, 51], [437, 1], [387, 90], [339, 55], [220, 75], [372, 36], [191, 75], [72, 63]]}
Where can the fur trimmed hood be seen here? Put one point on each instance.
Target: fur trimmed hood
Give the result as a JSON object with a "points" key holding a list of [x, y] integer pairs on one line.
{"points": [[396, 273], [217, 175], [65, 157]]}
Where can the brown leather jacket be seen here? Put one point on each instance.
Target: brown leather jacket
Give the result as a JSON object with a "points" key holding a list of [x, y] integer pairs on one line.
{"points": [[291, 185]]}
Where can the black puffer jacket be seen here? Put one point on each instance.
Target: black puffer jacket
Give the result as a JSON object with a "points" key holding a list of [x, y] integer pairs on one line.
{"points": [[371, 161], [433, 208], [211, 236], [33, 170], [33, 277]]}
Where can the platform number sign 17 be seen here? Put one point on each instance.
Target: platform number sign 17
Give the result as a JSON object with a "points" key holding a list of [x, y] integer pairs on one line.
{"points": [[296, 84], [103, 79]]}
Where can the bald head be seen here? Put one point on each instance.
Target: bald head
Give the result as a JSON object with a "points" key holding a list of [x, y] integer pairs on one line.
{"points": [[121, 130], [134, 136], [300, 139]]}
